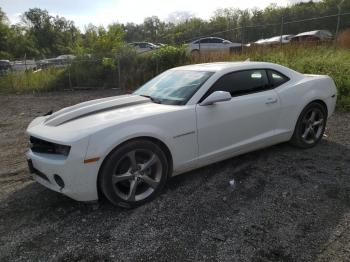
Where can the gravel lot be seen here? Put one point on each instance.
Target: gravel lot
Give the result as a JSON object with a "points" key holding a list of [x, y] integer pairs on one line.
{"points": [[288, 204]]}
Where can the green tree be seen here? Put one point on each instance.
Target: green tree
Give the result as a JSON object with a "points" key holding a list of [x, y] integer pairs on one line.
{"points": [[4, 34]]}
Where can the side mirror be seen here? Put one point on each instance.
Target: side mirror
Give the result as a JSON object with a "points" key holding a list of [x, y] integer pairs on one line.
{"points": [[215, 97]]}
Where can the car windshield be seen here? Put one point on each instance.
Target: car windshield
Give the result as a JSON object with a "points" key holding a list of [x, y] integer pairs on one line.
{"points": [[174, 87]]}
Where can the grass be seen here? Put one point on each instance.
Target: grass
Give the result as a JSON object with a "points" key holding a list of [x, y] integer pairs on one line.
{"points": [[23, 82], [135, 70]]}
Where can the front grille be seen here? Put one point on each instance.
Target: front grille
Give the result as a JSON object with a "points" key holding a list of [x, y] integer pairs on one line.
{"points": [[41, 146]]}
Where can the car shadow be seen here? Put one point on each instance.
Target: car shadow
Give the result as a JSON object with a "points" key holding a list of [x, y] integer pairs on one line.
{"points": [[286, 204]]}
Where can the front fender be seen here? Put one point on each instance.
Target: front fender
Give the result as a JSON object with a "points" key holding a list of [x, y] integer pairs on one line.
{"points": [[177, 131], [103, 142]]}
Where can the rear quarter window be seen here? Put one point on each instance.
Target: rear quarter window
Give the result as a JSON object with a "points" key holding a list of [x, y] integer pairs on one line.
{"points": [[277, 78]]}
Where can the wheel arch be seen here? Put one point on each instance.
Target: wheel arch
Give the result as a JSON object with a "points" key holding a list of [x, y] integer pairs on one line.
{"points": [[319, 101], [295, 139], [157, 141]]}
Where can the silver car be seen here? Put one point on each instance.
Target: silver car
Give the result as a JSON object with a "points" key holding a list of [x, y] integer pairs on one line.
{"points": [[211, 45]]}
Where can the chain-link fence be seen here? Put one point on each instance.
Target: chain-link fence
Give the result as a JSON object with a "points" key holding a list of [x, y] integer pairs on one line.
{"points": [[251, 33], [128, 70]]}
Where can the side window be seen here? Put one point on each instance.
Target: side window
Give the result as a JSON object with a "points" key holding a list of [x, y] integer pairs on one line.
{"points": [[216, 40], [241, 83], [277, 78], [205, 41]]}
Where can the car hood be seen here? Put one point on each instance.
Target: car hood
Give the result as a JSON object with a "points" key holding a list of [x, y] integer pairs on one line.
{"points": [[83, 119], [93, 107]]}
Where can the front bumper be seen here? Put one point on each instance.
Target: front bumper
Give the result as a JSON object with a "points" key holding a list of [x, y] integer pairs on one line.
{"points": [[80, 180]]}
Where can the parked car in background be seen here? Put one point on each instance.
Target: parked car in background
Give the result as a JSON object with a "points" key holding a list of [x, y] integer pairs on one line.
{"points": [[211, 45], [59, 61], [5, 67], [126, 147], [23, 65], [275, 40], [313, 36], [142, 47], [278, 39]]}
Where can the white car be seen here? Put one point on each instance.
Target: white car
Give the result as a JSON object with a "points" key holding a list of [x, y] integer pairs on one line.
{"points": [[142, 47], [285, 39], [126, 147], [211, 45]]}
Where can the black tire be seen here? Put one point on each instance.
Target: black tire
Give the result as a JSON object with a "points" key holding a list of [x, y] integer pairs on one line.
{"points": [[303, 138], [119, 176], [195, 53]]}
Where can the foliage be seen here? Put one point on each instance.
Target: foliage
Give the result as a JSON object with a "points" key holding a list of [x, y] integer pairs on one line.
{"points": [[105, 60], [41, 35], [39, 81], [102, 42], [129, 70]]}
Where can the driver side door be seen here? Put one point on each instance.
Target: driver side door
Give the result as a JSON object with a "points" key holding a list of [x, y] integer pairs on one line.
{"points": [[244, 123]]}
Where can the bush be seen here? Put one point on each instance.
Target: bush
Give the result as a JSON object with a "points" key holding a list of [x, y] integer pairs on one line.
{"points": [[136, 69], [42, 80], [129, 70], [91, 72]]}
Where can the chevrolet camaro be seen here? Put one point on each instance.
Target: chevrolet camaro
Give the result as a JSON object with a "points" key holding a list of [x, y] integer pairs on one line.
{"points": [[126, 147]]}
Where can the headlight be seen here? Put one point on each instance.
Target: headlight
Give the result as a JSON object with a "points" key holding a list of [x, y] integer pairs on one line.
{"points": [[41, 146], [62, 150]]}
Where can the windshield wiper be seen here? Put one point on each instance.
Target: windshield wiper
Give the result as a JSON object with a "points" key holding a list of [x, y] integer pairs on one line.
{"points": [[153, 99]]}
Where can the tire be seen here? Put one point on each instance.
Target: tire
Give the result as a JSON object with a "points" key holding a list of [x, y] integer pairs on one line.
{"points": [[310, 126], [195, 53], [134, 173]]}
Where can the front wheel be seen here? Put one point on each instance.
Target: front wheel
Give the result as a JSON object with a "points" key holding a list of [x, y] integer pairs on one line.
{"points": [[134, 173], [310, 126]]}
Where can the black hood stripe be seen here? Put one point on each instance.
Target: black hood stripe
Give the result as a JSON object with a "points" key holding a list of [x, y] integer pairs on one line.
{"points": [[106, 109]]}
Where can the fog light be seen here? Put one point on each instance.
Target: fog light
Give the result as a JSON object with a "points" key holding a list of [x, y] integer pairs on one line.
{"points": [[59, 181]]}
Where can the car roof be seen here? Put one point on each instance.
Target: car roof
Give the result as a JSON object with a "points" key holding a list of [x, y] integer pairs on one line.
{"points": [[208, 37], [219, 66]]}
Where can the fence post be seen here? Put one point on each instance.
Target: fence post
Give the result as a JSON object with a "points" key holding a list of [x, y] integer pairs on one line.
{"points": [[200, 53], [157, 65], [119, 81], [69, 75], [281, 34], [338, 22], [25, 60], [242, 38], [26, 71]]}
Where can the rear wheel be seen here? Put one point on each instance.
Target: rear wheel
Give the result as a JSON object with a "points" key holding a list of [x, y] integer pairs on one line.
{"points": [[195, 53], [134, 173], [310, 126]]}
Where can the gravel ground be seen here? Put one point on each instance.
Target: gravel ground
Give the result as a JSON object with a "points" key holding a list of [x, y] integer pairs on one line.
{"points": [[288, 204]]}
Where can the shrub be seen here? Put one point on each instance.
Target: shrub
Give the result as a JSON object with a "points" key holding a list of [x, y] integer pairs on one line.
{"points": [[128, 70], [38, 81]]}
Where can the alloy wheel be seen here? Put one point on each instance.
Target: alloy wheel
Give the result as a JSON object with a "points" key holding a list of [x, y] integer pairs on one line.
{"points": [[312, 125], [137, 175]]}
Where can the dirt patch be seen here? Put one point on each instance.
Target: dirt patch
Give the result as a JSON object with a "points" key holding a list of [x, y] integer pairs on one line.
{"points": [[288, 204]]}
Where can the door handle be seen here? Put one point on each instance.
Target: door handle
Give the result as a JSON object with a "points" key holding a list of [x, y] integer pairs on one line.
{"points": [[271, 101]]}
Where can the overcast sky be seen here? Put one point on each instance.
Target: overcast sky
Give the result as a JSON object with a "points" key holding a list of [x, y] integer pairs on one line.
{"points": [[104, 12]]}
